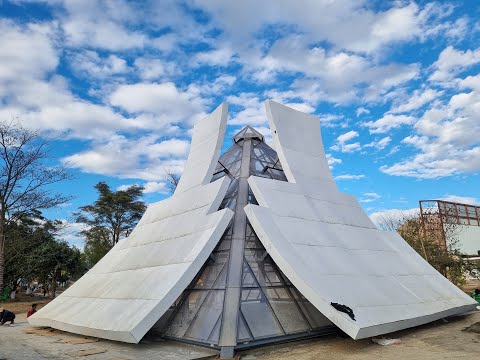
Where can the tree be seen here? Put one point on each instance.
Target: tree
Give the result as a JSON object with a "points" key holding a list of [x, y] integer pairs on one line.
{"points": [[57, 262], [112, 216], [448, 261], [172, 180], [97, 244], [34, 253], [26, 173]]}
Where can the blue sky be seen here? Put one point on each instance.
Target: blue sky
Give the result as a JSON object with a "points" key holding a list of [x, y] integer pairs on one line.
{"points": [[120, 84]]}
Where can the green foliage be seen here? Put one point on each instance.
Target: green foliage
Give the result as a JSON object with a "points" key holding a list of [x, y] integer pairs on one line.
{"points": [[57, 261], [34, 253], [26, 176], [112, 216], [448, 261], [97, 244]]}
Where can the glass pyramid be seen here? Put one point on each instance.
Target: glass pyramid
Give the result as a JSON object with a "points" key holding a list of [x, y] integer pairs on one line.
{"points": [[269, 307]]}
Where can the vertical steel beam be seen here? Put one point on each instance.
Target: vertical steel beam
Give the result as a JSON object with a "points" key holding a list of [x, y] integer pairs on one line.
{"points": [[231, 307], [442, 225]]}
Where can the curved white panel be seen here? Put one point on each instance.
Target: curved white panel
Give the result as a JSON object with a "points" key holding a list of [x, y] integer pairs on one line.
{"points": [[125, 294], [297, 140], [207, 141], [331, 251]]}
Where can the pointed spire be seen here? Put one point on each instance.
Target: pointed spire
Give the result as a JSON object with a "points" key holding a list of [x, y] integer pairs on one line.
{"points": [[247, 133]]}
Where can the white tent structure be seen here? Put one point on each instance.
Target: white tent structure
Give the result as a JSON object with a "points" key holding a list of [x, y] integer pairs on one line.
{"points": [[255, 246]]}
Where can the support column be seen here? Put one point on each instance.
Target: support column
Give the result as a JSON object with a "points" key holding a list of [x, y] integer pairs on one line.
{"points": [[228, 331]]}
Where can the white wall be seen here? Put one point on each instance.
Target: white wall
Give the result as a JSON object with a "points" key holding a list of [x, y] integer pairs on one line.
{"points": [[468, 239]]}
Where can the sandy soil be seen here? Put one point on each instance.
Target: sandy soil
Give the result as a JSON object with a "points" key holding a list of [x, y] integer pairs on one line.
{"points": [[441, 340], [24, 342], [438, 340], [23, 304]]}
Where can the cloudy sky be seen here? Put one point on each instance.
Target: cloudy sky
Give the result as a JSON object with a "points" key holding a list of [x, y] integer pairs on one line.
{"points": [[120, 84]]}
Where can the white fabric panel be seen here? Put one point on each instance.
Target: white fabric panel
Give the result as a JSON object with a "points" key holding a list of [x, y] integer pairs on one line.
{"points": [[126, 292], [331, 251]]}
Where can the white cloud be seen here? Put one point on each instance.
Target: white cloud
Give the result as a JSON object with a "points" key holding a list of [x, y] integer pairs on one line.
{"points": [[470, 82], [349, 177], [253, 112], [162, 104], [388, 122], [39, 99], [452, 62], [343, 145], [145, 158], [447, 140], [385, 218], [460, 199], [217, 57], [154, 69], [18, 43], [332, 161], [417, 100], [70, 232], [332, 76], [357, 26], [361, 110], [347, 136], [369, 197], [149, 187], [92, 64], [155, 187], [379, 144], [101, 24]]}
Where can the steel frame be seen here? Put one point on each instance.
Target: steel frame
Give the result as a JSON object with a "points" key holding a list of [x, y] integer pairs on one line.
{"points": [[434, 214]]}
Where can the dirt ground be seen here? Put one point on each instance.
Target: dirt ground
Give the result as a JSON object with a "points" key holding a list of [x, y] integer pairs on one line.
{"points": [[436, 341], [440, 340], [23, 303]]}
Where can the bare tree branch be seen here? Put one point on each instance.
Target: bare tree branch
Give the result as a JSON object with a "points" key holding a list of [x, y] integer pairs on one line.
{"points": [[25, 177], [172, 180]]}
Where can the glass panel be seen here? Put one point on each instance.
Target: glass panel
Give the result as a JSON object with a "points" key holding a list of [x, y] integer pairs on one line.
{"points": [[220, 257], [248, 280], [186, 313], [209, 276], [215, 335], [234, 168], [315, 317], [221, 281], [218, 175], [206, 319], [260, 318], [224, 245], [262, 267], [286, 310], [253, 244], [243, 334], [277, 174], [471, 211]]}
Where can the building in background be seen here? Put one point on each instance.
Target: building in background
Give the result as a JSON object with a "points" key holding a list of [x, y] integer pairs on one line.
{"points": [[448, 221]]}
